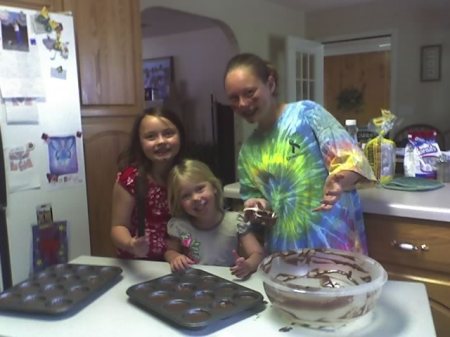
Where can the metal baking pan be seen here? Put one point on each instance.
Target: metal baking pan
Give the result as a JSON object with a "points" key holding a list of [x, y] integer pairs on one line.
{"points": [[194, 299], [59, 289]]}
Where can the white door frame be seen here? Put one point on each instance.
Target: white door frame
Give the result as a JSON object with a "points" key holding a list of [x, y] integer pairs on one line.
{"points": [[304, 69], [394, 55]]}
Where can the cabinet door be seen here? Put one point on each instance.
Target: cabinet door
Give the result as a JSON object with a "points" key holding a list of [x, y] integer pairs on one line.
{"points": [[108, 40], [52, 5], [387, 235], [396, 243], [109, 55], [104, 138]]}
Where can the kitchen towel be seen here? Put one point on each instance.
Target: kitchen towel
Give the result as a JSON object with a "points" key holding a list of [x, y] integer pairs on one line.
{"points": [[413, 184]]}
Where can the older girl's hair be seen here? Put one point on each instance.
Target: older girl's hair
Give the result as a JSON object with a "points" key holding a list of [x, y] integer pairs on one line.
{"points": [[134, 155], [194, 171], [262, 69]]}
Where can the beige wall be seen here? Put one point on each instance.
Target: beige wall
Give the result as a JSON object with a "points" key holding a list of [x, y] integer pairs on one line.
{"points": [[255, 23], [259, 27], [413, 101], [199, 62]]}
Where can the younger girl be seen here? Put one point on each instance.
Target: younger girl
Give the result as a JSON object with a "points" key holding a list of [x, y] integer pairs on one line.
{"points": [[139, 209], [201, 231]]}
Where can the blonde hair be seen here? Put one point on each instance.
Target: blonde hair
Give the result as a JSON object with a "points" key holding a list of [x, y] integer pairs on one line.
{"points": [[194, 171]]}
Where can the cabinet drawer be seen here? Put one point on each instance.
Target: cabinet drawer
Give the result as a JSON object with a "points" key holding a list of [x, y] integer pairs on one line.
{"points": [[383, 231]]}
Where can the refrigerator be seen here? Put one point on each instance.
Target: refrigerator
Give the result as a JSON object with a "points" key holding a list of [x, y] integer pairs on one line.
{"points": [[42, 179]]}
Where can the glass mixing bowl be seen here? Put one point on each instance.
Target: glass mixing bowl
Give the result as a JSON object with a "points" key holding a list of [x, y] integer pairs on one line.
{"points": [[322, 288]]}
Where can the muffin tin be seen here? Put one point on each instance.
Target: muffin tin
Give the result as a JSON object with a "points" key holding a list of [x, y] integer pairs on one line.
{"points": [[194, 299], [58, 289]]}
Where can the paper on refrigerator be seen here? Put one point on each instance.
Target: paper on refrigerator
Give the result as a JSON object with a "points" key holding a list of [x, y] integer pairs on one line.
{"points": [[20, 166]]}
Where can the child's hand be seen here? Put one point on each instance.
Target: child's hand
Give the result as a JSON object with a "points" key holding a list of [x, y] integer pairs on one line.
{"points": [[241, 267], [180, 263], [139, 246], [257, 202]]}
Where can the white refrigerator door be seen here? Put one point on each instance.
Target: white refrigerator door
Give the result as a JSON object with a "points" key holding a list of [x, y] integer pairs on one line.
{"points": [[58, 115]]}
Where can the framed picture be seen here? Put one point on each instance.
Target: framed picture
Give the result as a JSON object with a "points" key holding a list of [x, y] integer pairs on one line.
{"points": [[158, 75], [430, 63]]}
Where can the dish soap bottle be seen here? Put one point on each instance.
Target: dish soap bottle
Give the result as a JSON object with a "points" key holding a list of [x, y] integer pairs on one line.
{"points": [[352, 129]]}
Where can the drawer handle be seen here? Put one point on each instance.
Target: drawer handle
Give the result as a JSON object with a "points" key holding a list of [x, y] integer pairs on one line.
{"points": [[409, 246]]}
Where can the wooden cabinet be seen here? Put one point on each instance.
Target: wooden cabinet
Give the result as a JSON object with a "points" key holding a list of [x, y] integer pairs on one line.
{"points": [[415, 250], [104, 139], [109, 56], [109, 61]]}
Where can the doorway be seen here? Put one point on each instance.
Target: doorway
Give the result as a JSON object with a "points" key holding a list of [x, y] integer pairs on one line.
{"points": [[199, 48], [357, 81]]}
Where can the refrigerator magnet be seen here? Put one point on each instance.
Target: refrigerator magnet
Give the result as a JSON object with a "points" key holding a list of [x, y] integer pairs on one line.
{"points": [[44, 214], [58, 72]]}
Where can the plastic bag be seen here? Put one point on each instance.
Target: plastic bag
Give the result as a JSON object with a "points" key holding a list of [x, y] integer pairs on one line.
{"points": [[422, 155], [381, 151]]}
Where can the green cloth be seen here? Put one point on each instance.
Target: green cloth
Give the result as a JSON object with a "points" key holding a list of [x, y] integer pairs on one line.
{"points": [[413, 184]]}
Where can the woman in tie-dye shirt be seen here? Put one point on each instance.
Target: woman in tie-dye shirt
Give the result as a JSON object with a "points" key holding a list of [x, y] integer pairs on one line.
{"points": [[299, 161]]}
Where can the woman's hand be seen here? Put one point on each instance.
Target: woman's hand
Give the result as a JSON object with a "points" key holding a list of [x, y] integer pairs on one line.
{"points": [[138, 246], [335, 184], [181, 262], [332, 192]]}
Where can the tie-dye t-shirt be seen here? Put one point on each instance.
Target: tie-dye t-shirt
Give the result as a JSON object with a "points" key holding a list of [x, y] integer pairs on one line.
{"points": [[288, 166]]}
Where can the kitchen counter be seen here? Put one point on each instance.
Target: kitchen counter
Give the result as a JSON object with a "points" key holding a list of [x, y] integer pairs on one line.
{"points": [[403, 310], [428, 205]]}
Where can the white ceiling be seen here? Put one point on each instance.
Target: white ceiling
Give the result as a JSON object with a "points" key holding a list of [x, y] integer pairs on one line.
{"points": [[316, 5], [158, 21]]}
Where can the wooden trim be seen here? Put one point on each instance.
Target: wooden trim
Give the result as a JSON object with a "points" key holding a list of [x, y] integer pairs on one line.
{"points": [[137, 33], [110, 110]]}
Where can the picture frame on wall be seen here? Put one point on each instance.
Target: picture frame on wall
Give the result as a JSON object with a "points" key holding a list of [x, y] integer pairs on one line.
{"points": [[158, 76], [430, 63]]}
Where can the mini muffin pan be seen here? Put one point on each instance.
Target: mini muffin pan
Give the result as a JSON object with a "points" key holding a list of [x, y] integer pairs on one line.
{"points": [[58, 289], [194, 299]]}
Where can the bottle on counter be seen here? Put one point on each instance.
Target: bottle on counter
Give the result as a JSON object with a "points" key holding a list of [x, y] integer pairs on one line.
{"points": [[352, 129]]}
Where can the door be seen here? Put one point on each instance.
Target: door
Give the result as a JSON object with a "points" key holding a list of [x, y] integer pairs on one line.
{"points": [[304, 65], [357, 82]]}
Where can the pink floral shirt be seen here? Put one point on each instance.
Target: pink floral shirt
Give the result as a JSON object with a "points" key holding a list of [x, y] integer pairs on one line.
{"points": [[156, 217]]}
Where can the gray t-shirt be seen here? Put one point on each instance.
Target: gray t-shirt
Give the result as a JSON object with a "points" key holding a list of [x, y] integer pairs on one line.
{"points": [[209, 247]]}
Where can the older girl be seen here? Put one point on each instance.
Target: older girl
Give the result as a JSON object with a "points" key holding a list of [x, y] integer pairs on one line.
{"points": [[140, 209]]}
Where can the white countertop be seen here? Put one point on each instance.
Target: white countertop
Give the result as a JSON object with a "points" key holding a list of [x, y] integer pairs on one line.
{"points": [[428, 205], [403, 310]]}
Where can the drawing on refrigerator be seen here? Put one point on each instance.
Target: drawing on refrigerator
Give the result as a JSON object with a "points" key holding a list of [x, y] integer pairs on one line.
{"points": [[49, 245], [41, 156], [63, 159]]}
